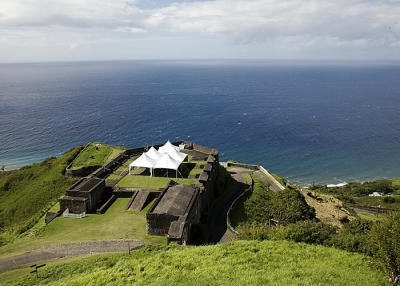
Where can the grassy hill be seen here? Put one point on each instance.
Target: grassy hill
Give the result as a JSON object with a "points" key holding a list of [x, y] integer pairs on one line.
{"points": [[27, 193], [234, 263], [95, 154]]}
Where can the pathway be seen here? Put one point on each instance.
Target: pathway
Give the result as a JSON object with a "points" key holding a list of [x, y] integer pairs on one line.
{"points": [[218, 228], [71, 249], [267, 182]]}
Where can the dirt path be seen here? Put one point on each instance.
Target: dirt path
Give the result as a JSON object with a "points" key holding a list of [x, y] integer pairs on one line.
{"points": [[71, 249]]}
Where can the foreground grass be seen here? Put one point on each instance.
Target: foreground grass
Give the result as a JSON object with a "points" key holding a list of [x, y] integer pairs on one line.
{"points": [[116, 223], [95, 154], [150, 183], [26, 194], [234, 263]]}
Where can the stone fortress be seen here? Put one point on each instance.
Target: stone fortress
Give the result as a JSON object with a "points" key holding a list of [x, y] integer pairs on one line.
{"points": [[178, 208]]}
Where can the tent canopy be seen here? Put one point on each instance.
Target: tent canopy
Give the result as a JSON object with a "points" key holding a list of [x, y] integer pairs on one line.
{"points": [[143, 161], [167, 162], [173, 151], [154, 154], [167, 146]]}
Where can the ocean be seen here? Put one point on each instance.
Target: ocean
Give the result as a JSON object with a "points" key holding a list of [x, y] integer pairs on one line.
{"points": [[327, 122]]}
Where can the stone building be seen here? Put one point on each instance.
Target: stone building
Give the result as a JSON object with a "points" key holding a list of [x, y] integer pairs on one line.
{"points": [[84, 196]]}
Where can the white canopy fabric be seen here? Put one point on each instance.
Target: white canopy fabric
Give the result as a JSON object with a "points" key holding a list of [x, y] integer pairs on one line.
{"points": [[167, 162], [173, 151], [167, 146], [178, 156], [143, 161], [154, 154]]}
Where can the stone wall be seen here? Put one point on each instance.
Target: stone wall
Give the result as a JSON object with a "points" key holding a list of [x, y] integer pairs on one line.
{"points": [[76, 205]]}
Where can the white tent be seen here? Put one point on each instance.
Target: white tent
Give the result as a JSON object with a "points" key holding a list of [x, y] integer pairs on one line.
{"points": [[143, 161], [154, 154], [178, 156], [167, 162], [173, 151], [167, 146]]}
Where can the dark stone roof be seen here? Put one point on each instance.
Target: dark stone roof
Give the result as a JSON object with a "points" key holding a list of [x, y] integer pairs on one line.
{"points": [[208, 167], [87, 184], [69, 198], [175, 200], [203, 177]]}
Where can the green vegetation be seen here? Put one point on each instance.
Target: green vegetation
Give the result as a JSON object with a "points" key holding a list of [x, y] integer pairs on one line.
{"points": [[384, 239], [390, 202], [357, 189], [26, 194], [235, 263], [150, 183], [116, 223], [95, 154], [287, 206]]}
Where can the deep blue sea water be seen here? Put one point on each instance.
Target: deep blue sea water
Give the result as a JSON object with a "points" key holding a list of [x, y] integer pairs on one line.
{"points": [[323, 122]]}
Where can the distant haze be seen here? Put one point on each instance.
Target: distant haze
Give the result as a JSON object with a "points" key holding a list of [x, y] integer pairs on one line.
{"points": [[71, 30]]}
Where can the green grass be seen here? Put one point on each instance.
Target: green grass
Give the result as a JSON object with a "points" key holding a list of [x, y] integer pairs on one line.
{"points": [[396, 184], [195, 171], [234, 263], [368, 216], [113, 177], [377, 201], [116, 223], [26, 194], [150, 183], [95, 154]]}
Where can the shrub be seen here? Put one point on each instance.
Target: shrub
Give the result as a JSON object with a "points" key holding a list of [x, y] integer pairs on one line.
{"points": [[287, 206], [389, 200], [311, 232], [384, 244], [353, 236]]}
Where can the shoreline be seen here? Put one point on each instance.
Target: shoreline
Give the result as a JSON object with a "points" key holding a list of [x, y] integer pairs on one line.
{"points": [[330, 183]]}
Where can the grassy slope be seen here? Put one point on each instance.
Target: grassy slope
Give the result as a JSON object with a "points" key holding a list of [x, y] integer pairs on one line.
{"points": [[151, 183], [235, 263], [26, 194], [116, 223], [95, 154]]}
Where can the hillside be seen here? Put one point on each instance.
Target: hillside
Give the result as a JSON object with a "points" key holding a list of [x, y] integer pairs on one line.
{"points": [[234, 263], [27, 193]]}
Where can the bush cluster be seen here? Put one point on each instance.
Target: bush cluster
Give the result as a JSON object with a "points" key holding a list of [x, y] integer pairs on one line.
{"points": [[287, 206]]}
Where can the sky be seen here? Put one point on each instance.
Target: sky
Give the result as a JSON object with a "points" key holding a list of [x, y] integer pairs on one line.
{"points": [[76, 30]]}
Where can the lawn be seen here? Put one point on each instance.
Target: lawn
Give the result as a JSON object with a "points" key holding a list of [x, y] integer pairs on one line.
{"points": [[95, 154], [116, 223], [150, 183], [234, 263]]}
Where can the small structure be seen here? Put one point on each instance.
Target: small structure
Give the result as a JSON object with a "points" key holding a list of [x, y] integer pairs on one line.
{"points": [[84, 196]]}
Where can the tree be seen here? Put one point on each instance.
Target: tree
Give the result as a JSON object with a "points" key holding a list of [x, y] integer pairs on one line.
{"points": [[3, 168], [384, 242]]}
